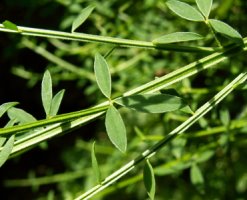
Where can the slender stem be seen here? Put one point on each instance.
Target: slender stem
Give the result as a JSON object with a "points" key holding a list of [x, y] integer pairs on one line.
{"points": [[178, 131], [105, 39]]}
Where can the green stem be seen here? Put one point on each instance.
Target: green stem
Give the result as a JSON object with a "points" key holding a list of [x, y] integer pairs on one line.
{"points": [[56, 119], [104, 39], [178, 131], [60, 62]]}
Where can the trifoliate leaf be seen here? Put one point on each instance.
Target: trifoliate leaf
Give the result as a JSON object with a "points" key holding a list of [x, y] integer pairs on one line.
{"points": [[103, 76], [152, 103], [177, 37], [46, 92], [82, 17], [204, 6], [115, 128], [6, 150], [184, 10], [149, 179]]}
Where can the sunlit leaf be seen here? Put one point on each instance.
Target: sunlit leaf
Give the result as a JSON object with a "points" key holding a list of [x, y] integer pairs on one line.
{"points": [[46, 92], [20, 115], [116, 129], [56, 102], [184, 10], [103, 76], [82, 17], [149, 179], [204, 6], [152, 103], [2, 140], [177, 37], [10, 25], [4, 107], [226, 30], [96, 170], [6, 150]]}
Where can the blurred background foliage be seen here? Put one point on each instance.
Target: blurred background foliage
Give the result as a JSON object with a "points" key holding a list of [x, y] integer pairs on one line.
{"points": [[61, 167]]}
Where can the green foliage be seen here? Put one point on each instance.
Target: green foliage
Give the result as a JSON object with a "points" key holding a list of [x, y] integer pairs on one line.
{"points": [[115, 128], [152, 103], [6, 150], [226, 30], [10, 25], [184, 10], [149, 179], [82, 17], [46, 92], [95, 166], [153, 68], [177, 37], [205, 7], [103, 76]]}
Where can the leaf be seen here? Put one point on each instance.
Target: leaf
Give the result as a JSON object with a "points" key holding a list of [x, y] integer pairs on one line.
{"points": [[82, 17], [46, 92], [149, 179], [4, 107], [10, 25], [225, 117], [20, 115], [6, 150], [115, 128], [152, 103], [196, 176], [95, 165], [226, 30], [177, 37], [56, 102], [103, 76], [2, 140], [204, 6], [184, 10]]}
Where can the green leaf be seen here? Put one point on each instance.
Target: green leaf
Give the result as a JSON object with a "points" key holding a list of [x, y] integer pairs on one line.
{"points": [[149, 179], [204, 6], [177, 37], [2, 140], [10, 25], [226, 30], [103, 76], [184, 10], [56, 102], [95, 165], [152, 103], [196, 176], [225, 117], [46, 92], [6, 150], [82, 17], [4, 107], [20, 115], [115, 128]]}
